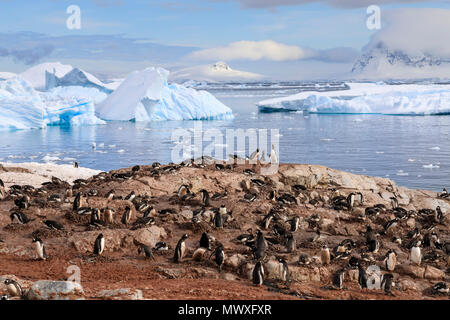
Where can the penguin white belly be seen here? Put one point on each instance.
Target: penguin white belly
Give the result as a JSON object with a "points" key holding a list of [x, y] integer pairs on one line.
{"points": [[13, 291], [416, 255], [391, 263], [182, 249], [39, 250], [102, 245]]}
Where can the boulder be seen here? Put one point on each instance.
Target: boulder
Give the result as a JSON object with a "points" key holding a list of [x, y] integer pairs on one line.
{"points": [[411, 270], [235, 261], [121, 294], [55, 290], [433, 273]]}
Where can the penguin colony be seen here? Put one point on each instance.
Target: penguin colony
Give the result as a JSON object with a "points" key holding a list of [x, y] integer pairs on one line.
{"points": [[277, 232]]}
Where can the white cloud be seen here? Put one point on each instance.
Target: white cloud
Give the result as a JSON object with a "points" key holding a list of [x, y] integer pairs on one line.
{"points": [[253, 50], [415, 32]]}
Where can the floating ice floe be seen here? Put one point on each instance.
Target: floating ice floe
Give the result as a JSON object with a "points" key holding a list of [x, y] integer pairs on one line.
{"points": [[146, 96], [431, 166], [367, 98]]}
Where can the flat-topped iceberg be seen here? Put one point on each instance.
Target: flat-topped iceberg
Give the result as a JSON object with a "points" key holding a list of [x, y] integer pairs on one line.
{"points": [[146, 96], [367, 98]]}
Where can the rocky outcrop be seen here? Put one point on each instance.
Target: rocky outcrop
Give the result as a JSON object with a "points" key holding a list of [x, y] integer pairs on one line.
{"points": [[55, 290]]}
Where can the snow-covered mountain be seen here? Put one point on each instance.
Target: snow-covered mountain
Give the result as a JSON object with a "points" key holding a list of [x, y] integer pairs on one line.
{"points": [[7, 75], [217, 72], [384, 63]]}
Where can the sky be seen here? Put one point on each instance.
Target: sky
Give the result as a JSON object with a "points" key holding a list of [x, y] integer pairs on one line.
{"points": [[282, 39]]}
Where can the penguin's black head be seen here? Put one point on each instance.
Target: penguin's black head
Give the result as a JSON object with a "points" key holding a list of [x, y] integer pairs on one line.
{"points": [[222, 206], [100, 235], [185, 236]]}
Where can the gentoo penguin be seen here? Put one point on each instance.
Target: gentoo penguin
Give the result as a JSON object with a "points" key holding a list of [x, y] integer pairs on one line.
{"points": [[183, 190], [284, 270], [77, 202], [351, 200], [370, 234], [180, 249], [258, 274], [374, 246], [444, 194], [131, 196], [440, 288], [294, 222], [99, 244], [40, 248], [416, 254], [110, 195], [250, 197], [14, 288], [146, 250], [304, 259], [19, 217], [219, 256], [390, 260], [273, 155], [205, 197], [2, 190], [218, 219], [391, 224], [338, 279], [126, 217], [53, 225], [161, 246], [325, 255], [108, 214], [439, 215], [394, 203], [291, 244], [387, 283], [267, 220], [204, 241], [260, 246], [362, 277]]}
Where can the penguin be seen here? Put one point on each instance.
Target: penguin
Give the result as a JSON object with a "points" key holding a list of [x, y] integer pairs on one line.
{"points": [[126, 217], [291, 244], [439, 215], [183, 190], [77, 202], [53, 225], [40, 248], [260, 246], [205, 198], [325, 255], [387, 283], [110, 195], [416, 254], [19, 217], [131, 196], [4, 297], [219, 256], [294, 222], [444, 194], [161, 246], [75, 164], [22, 203], [440, 288], [263, 157], [250, 197], [390, 225], [284, 270], [146, 250], [304, 259], [362, 277], [390, 260], [218, 219], [180, 249], [204, 241], [351, 200], [99, 244], [374, 246], [258, 274], [2, 190], [109, 215], [267, 220], [95, 218], [14, 288], [394, 203], [370, 235], [413, 234], [338, 279]]}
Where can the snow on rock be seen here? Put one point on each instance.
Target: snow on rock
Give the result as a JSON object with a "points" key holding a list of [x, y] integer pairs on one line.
{"points": [[146, 96], [368, 98]]}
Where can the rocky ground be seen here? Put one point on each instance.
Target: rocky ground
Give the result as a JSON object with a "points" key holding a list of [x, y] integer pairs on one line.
{"points": [[120, 273]]}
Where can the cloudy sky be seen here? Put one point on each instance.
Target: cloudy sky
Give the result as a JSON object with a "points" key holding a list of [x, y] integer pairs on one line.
{"points": [[282, 39]]}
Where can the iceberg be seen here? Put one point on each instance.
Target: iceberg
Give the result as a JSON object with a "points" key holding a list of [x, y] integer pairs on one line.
{"points": [[146, 96], [22, 107], [367, 98]]}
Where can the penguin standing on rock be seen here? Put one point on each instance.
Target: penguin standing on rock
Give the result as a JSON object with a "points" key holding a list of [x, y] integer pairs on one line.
{"points": [[204, 241], [77, 202], [325, 255], [180, 249], [362, 277], [338, 279], [258, 274], [205, 197], [40, 248], [260, 246], [99, 244], [387, 283], [284, 270], [390, 260], [126, 217], [219, 256], [2, 190], [416, 253]]}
